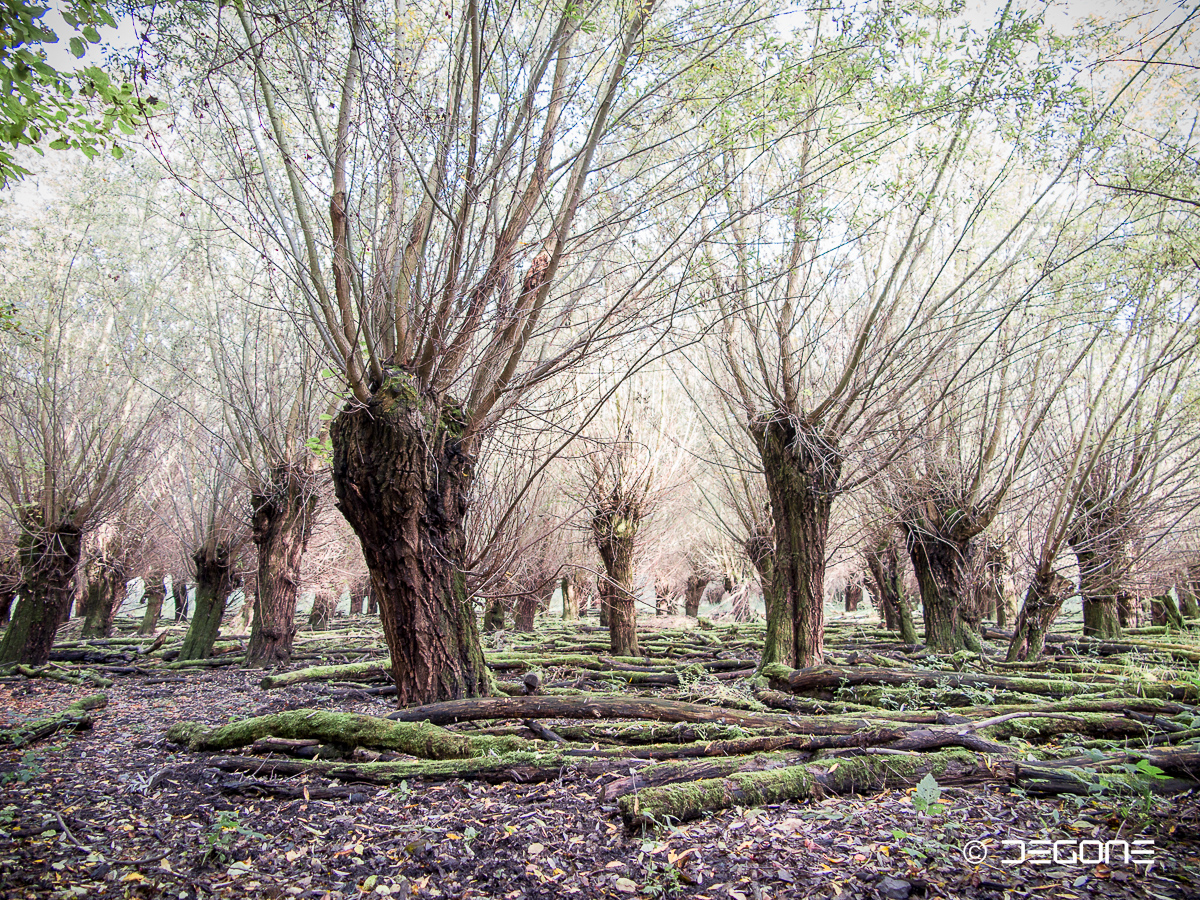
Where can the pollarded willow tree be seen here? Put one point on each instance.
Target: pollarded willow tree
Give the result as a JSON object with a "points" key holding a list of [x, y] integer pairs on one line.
{"points": [[447, 187], [77, 415], [868, 218], [273, 400]]}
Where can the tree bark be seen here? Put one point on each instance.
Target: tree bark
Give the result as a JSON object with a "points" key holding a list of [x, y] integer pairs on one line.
{"points": [[282, 523], [214, 583], [802, 470], [779, 643], [614, 528], [156, 592], [48, 558], [103, 594], [526, 612], [692, 594], [493, 615], [321, 615], [883, 562], [179, 597], [854, 594], [1043, 600], [943, 570], [1102, 556], [403, 477], [570, 598]]}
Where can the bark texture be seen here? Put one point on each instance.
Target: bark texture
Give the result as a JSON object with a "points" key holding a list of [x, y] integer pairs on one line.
{"points": [[802, 470], [403, 478], [692, 594], [281, 525], [883, 562], [779, 643], [943, 568], [615, 523], [214, 583], [49, 558], [1043, 600], [156, 592], [105, 577], [570, 598]]}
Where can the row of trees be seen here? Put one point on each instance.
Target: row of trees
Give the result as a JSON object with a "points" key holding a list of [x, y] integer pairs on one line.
{"points": [[923, 288]]}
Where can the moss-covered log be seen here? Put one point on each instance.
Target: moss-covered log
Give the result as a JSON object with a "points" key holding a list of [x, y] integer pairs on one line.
{"points": [[372, 670], [347, 731], [807, 781], [75, 717], [599, 707]]}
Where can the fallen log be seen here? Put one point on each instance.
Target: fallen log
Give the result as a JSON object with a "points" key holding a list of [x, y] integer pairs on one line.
{"points": [[76, 717], [347, 731], [609, 707], [806, 781], [351, 672], [833, 677]]}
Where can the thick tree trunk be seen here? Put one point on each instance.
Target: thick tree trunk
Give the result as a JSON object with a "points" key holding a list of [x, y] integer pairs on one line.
{"points": [[526, 612], [1164, 611], [402, 477], [156, 592], [883, 562], [372, 599], [282, 523], [614, 528], [179, 597], [570, 598], [779, 643], [854, 594], [692, 594], [1043, 600], [320, 617], [493, 615], [214, 583], [103, 594], [1102, 565], [802, 470], [943, 570], [49, 558]]}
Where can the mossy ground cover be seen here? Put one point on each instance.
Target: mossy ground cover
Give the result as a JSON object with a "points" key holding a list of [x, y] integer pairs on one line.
{"points": [[121, 811]]}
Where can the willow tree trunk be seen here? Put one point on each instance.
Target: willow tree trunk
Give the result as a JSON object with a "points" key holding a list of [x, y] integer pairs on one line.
{"points": [[102, 595], [156, 593], [493, 615], [883, 562], [10, 580], [214, 583], [779, 643], [282, 521], [692, 594], [1101, 553], [1043, 600], [49, 558], [179, 597], [320, 617], [614, 538], [403, 477], [570, 598], [943, 568], [525, 612], [802, 470]]}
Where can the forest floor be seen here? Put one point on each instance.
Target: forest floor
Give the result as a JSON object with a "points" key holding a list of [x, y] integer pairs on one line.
{"points": [[118, 811]]}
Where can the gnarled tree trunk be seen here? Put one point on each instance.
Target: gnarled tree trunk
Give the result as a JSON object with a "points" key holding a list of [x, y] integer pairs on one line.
{"points": [[179, 597], [214, 583], [1043, 600], [779, 644], [402, 477], [493, 615], [156, 592], [943, 568], [614, 537], [692, 594], [802, 470], [282, 523], [570, 598], [48, 559], [525, 612], [102, 595], [1100, 544], [883, 562]]}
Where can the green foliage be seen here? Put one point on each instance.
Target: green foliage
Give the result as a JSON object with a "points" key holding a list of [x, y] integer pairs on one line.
{"points": [[224, 834], [927, 794], [39, 104], [29, 768]]}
